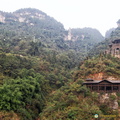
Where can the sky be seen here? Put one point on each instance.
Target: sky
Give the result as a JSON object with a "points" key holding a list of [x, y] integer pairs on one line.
{"points": [[98, 14]]}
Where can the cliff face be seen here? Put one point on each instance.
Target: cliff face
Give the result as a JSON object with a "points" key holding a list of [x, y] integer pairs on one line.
{"points": [[84, 34]]}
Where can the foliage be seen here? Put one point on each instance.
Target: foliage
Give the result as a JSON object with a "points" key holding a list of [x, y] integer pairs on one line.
{"points": [[71, 102], [36, 67], [28, 94], [102, 63], [39, 35], [112, 97]]}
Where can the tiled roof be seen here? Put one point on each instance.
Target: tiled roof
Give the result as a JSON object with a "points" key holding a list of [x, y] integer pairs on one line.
{"points": [[98, 81]]}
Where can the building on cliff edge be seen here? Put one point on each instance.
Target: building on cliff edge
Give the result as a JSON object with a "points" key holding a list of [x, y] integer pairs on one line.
{"points": [[114, 48]]}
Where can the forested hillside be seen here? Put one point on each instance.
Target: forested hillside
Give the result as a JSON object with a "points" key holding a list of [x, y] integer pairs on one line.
{"points": [[75, 102], [30, 31], [36, 59], [101, 63]]}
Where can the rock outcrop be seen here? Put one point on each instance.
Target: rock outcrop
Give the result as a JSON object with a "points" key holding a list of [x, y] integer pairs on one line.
{"points": [[109, 98]]}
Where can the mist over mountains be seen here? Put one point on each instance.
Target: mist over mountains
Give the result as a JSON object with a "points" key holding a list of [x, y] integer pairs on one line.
{"points": [[36, 25]]}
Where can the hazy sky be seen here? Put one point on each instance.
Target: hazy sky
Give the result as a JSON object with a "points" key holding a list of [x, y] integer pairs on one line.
{"points": [[99, 14]]}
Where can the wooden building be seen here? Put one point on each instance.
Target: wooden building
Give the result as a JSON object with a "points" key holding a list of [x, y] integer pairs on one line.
{"points": [[103, 85]]}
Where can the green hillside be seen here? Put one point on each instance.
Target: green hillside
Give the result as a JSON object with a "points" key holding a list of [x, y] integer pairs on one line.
{"points": [[74, 101], [28, 31], [106, 64], [36, 61]]}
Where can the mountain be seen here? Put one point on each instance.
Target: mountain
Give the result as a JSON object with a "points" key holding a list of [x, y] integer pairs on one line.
{"points": [[85, 38], [38, 57], [104, 45], [92, 35], [31, 22], [111, 35], [108, 32], [28, 31], [31, 17]]}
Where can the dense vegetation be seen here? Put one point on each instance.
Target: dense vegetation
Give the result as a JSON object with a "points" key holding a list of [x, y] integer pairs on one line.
{"points": [[30, 31], [26, 83], [74, 101], [37, 65], [71, 102], [107, 64]]}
